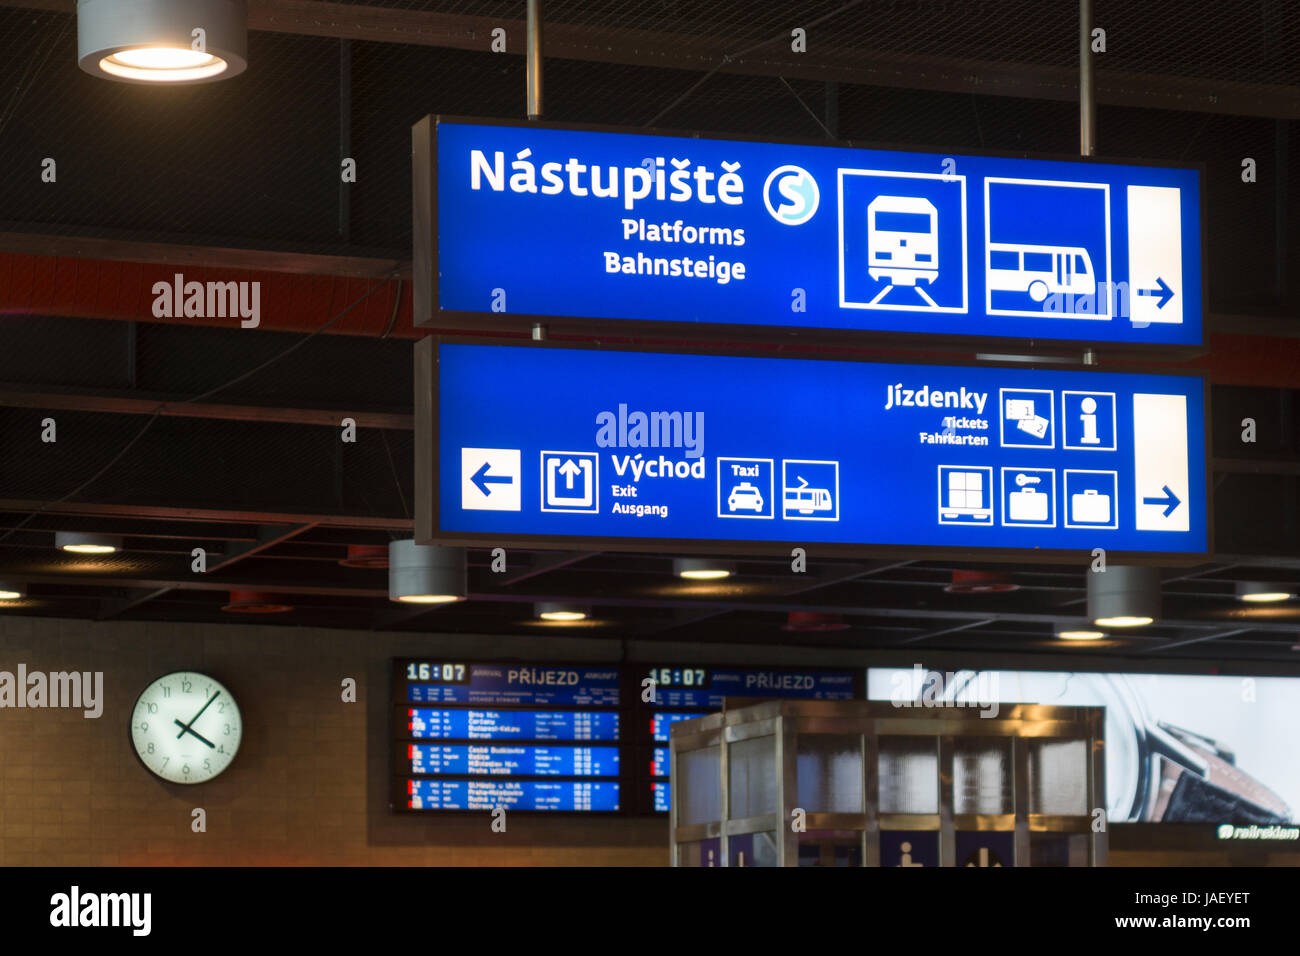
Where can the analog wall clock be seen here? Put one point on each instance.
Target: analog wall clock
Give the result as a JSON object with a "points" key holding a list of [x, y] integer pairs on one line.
{"points": [[186, 727]]}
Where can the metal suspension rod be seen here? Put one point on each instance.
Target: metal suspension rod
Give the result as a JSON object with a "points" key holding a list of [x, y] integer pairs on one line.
{"points": [[1087, 83], [533, 66]]}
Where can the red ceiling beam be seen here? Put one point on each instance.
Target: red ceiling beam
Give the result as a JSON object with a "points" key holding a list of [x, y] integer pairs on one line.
{"points": [[109, 289]]}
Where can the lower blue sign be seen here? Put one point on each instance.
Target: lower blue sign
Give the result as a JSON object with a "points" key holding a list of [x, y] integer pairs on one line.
{"points": [[539, 444]]}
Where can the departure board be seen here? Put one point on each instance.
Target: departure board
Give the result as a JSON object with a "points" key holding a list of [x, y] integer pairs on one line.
{"points": [[522, 736], [474, 736], [683, 692]]}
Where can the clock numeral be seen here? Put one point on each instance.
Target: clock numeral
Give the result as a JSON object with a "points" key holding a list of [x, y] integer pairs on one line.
{"points": [[144, 727], [185, 686], [153, 708], [221, 708], [227, 730], [166, 760], [167, 690], [149, 749], [207, 765], [185, 768]]}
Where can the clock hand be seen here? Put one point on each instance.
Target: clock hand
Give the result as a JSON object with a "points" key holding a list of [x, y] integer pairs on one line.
{"points": [[193, 733], [186, 727]]}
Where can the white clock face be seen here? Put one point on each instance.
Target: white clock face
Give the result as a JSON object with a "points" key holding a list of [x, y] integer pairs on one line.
{"points": [[186, 727]]}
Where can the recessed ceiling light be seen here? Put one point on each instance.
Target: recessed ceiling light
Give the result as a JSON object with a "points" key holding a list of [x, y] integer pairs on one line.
{"points": [[1080, 635], [702, 569], [150, 41], [12, 591], [81, 543], [1124, 620]]}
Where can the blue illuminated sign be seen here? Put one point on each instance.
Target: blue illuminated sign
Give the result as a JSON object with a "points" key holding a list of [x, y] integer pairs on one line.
{"points": [[537, 221], [662, 451]]}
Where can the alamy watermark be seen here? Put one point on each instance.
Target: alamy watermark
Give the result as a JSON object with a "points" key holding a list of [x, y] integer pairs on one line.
{"points": [[926, 688], [79, 690], [179, 299], [75, 909]]}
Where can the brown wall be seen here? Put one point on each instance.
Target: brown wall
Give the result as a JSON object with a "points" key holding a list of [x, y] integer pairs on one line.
{"points": [[309, 785]]}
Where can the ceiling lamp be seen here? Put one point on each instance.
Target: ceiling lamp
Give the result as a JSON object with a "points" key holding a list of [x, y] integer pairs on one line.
{"points": [[1260, 592], [980, 582], [703, 569], [79, 542], [366, 556], [426, 573], [12, 591], [254, 602], [560, 612], [162, 41], [1124, 596]]}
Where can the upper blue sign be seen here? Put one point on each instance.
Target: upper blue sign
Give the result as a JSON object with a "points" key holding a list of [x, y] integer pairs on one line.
{"points": [[718, 450], [544, 222]]}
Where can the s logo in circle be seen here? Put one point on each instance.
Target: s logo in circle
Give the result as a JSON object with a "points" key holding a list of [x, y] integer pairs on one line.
{"points": [[791, 195]]}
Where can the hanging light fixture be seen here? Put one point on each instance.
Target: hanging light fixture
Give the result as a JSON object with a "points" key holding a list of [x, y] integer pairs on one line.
{"points": [[703, 569], [1262, 592], [162, 41], [425, 573], [559, 612], [1124, 596], [79, 542]]}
